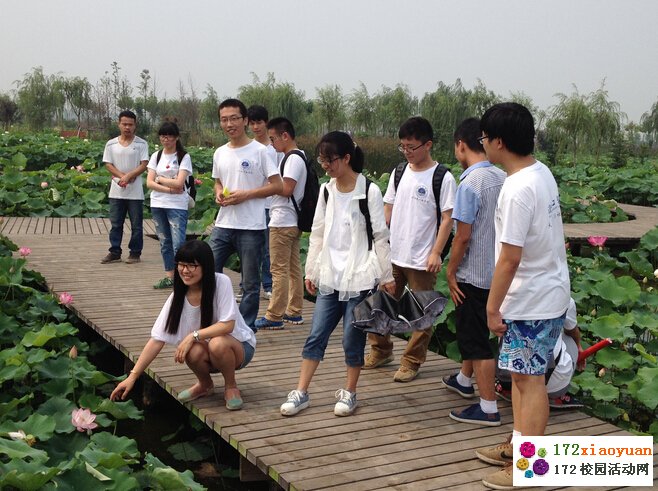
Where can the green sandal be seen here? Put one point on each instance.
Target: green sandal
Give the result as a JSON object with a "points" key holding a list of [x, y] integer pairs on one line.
{"points": [[165, 282]]}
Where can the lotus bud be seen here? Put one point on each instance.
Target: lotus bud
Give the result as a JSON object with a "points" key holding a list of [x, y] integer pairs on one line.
{"points": [[602, 373], [578, 270], [65, 298], [645, 280], [625, 417], [44, 185], [25, 251], [73, 353], [655, 273], [593, 313]]}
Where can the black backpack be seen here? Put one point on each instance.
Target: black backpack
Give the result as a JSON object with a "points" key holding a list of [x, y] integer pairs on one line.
{"points": [[190, 187], [306, 207], [437, 180], [365, 211]]}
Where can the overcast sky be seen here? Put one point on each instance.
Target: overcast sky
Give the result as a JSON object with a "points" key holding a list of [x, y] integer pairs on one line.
{"points": [[536, 47]]}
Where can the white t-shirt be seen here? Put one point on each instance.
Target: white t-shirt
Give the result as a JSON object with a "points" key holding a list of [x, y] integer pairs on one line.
{"points": [[190, 319], [243, 168], [338, 243], [276, 156], [413, 220], [528, 215], [169, 167], [282, 211], [126, 159]]}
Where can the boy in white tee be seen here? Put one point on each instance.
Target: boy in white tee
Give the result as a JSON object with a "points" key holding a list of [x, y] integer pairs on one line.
{"points": [[417, 240], [530, 289], [244, 176]]}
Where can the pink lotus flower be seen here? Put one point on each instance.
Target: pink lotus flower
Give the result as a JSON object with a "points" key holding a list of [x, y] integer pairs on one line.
{"points": [[597, 241], [65, 298], [198, 182], [80, 168], [83, 420], [44, 185], [25, 251]]}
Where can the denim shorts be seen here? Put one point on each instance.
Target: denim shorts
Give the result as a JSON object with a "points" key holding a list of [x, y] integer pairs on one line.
{"points": [[527, 346], [249, 351]]}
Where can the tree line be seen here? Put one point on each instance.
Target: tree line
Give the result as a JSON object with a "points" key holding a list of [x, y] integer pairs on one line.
{"points": [[576, 124]]}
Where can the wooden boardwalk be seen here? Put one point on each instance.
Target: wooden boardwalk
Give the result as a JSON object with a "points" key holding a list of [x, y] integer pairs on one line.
{"points": [[400, 437], [629, 232]]}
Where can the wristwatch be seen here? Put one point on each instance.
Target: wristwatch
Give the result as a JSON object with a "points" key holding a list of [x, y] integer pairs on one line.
{"points": [[196, 337]]}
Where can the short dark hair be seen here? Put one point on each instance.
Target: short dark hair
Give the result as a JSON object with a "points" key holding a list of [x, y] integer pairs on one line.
{"points": [[258, 113], [469, 132], [513, 124], [418, 128], [233, 103], [339, 144], [281, 125], [127, 114]]}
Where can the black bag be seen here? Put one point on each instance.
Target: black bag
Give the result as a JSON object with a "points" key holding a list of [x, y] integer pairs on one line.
{"points": [[306, 207]]}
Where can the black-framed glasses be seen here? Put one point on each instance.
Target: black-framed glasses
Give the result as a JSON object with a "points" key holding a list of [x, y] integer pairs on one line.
{"points": [[191, 267], [482, 138], [230, 119], [407, 149], [322, 161]]}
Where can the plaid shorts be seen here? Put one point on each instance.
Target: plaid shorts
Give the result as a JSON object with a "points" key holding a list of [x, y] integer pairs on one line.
{"points": [[526, 346]]}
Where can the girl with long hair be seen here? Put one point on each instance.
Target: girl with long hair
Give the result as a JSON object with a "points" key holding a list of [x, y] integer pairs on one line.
{"points": [[342, 266], [168, 170], [201, 318]]}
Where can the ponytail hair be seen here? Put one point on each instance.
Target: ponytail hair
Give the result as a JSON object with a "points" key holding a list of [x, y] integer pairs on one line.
{"points": [[339, 144]]}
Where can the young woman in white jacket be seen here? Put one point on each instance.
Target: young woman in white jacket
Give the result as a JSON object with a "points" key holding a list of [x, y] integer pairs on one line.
{"points": [[340, 267]]}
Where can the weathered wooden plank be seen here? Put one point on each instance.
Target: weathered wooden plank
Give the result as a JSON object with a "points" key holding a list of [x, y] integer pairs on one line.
{"points": [[400, 437]]}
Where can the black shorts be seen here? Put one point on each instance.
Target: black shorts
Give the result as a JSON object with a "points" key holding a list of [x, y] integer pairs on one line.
{"points": [[472, 329]]}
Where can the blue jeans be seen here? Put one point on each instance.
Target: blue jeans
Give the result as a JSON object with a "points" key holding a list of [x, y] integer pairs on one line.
{"points": [[134, 208], [249, 246], [327, 314], [265, 274], [170, 225]]}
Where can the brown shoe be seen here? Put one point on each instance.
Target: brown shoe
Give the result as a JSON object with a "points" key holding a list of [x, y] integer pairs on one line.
{"points": [[501, 479], [499, 455], [132, 259], [405, 374], [371, 361], [111, 258]]}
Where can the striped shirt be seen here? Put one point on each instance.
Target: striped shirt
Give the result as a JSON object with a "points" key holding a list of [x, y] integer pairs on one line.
{"points": [[475, 204]]}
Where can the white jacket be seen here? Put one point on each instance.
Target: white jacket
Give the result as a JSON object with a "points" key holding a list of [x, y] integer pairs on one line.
{"points": [[364, 269]]}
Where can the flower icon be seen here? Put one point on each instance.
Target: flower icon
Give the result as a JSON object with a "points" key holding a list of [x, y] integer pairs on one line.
{"points": [[25, 251], [65, 298], [83, 420]]}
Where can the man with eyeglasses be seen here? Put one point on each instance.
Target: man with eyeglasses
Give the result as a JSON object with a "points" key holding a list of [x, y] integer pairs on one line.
{"points": [[530, 289], [244, 176], [418, 236], [126, 158]]}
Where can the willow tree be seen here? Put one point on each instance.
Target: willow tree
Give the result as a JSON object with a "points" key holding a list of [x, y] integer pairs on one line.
{"points": [[393, 107], [330, 108], [570, 122], [606, 119], [37, 98], [649, 123]]}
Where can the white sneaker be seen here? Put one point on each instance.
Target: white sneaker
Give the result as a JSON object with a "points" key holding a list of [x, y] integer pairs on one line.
{"points": [[297, 400], [346, 402]]}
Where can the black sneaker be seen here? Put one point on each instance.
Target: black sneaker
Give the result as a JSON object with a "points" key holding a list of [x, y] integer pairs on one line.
{"points": [[450, 383], [132, 259], [111, 258]]}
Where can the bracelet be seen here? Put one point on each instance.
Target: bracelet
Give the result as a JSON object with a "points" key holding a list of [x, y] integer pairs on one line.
{"points": [[134, 371]]}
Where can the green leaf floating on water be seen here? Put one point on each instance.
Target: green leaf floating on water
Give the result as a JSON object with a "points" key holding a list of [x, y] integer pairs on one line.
{"points": [[645, 387], [610, 357], [619, 291]]}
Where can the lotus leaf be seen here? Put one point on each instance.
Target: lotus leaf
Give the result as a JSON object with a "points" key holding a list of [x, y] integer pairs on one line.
{"points": [[58, 387], [190, 451], [119, 410], [619, 291], [13, 372], [639, 262], [26, 475], [118, 444], [610, 357], [19, 449], [643, 353], [167, 478], [614, 326], [645, 387], [68, 210], [98, 457], [607, 411], [650, 240]]}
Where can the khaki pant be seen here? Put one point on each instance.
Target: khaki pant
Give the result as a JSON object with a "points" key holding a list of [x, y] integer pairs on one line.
{"points": [[286, 269], [416, 350]]}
